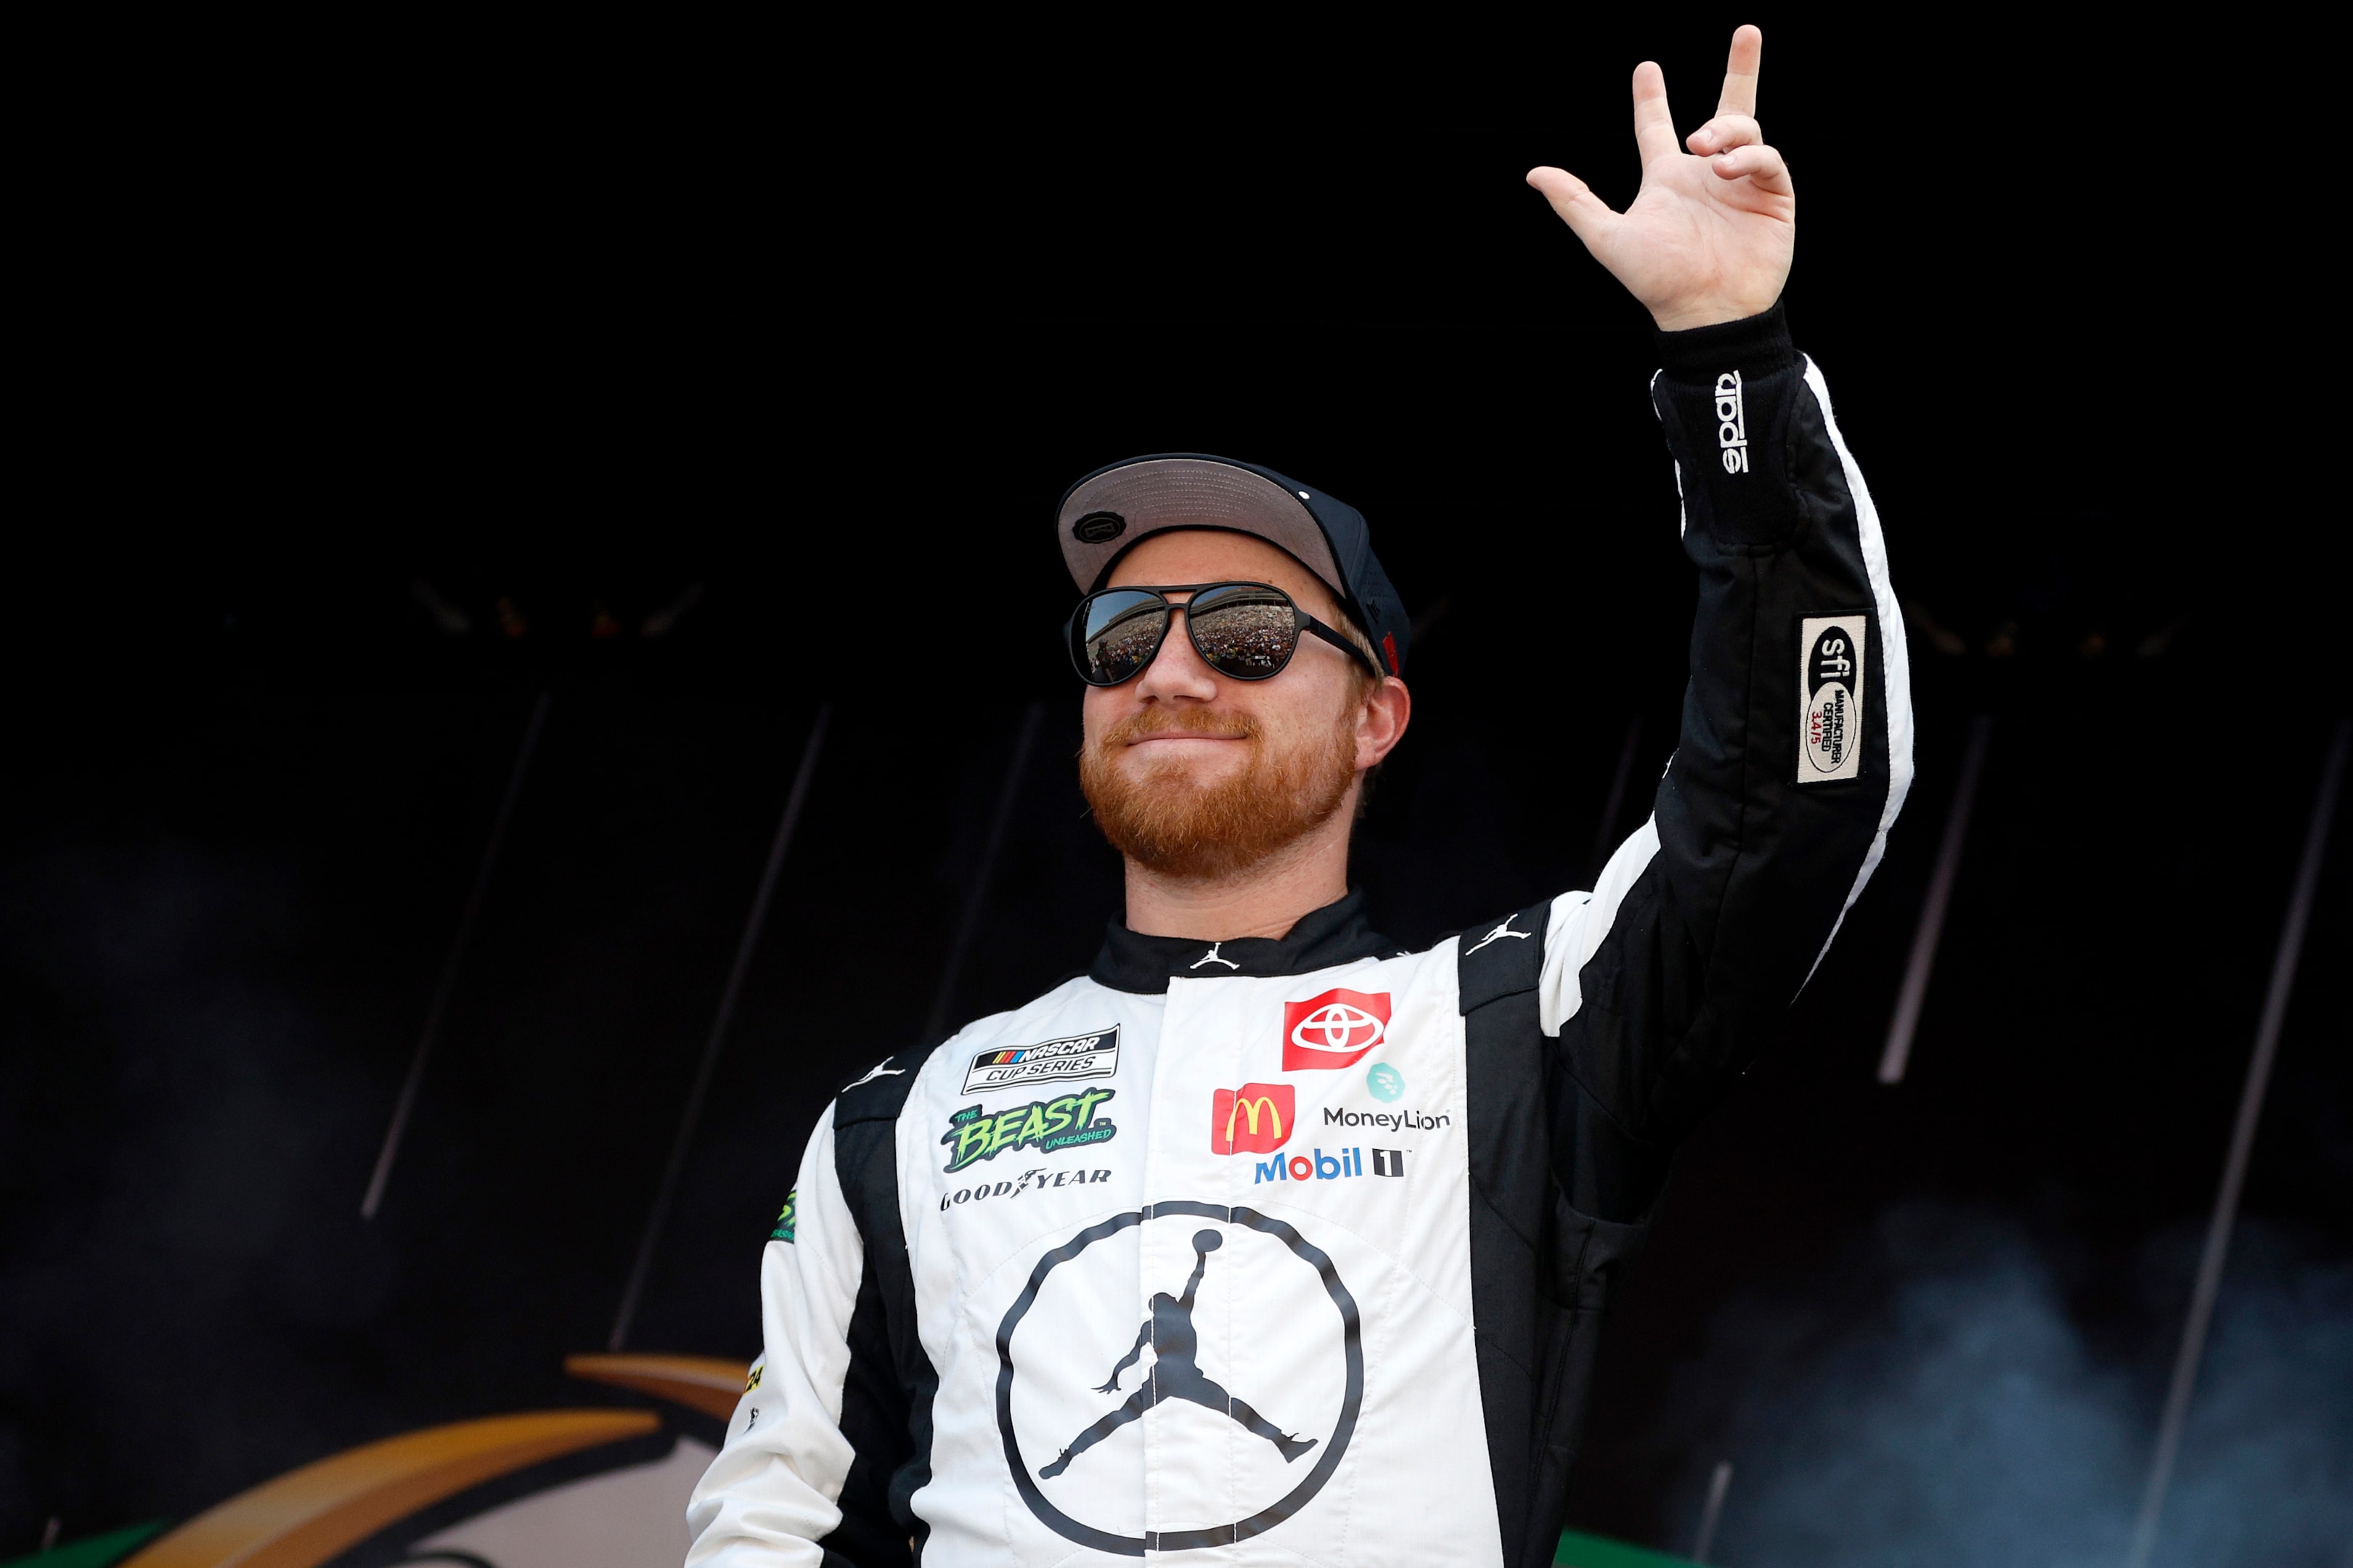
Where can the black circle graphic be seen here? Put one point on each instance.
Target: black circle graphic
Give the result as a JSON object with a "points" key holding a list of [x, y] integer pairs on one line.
{"points": [[1266, 1518], [1099, 528]]}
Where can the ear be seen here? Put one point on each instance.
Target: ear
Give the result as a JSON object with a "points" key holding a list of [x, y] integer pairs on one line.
{"points": [[1381, 721]]}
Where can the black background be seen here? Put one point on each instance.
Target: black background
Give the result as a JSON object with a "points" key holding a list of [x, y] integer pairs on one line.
{"points": [[821, 326]]}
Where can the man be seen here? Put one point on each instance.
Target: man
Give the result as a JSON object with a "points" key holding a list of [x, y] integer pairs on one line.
{"points": [[1366, 1205]]}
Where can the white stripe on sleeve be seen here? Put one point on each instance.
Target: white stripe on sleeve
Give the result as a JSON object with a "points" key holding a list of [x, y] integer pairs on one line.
{"points": [[1896, 661], [771, 1493], [1581, 921]]}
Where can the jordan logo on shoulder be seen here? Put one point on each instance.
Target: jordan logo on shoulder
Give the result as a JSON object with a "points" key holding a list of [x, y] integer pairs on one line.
{"points": [[1502, 930], [1212, 957]]}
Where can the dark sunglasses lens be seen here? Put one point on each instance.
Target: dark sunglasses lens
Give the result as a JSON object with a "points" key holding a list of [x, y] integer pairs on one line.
{"points": [[1246, 632], [1117, 633]]}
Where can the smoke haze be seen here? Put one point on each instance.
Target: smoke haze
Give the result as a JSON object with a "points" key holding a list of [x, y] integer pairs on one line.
{"points": [[1972, 1421]]}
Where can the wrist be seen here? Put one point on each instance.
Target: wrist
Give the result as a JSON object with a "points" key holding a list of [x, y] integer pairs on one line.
{"points": [[1726, 395], [1756, 344], [1690, 315]]}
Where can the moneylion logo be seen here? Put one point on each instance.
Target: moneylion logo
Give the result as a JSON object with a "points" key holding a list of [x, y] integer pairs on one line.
{"points": [[1334, 1030]]}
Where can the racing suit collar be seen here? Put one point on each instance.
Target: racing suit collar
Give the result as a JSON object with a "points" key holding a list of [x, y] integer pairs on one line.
{"points": [[1337, 933]]}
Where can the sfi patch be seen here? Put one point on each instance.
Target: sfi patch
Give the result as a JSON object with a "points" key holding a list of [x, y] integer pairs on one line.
{"points": [[1830, 696], [1078, 1057], [784, 1231]]}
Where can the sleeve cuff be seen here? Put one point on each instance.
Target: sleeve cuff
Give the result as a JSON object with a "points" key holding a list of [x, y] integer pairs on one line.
{"points": [[1754, 346]]}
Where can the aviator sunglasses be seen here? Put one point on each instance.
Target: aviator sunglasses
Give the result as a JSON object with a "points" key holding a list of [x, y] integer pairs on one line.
{"points": [[1244, 631]]}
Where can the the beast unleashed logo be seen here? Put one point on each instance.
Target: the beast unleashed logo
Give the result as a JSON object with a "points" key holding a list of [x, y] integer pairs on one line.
{"points": [[1068, 1121], [1830, 696]]}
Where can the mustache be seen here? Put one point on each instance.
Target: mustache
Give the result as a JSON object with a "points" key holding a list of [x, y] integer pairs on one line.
{"points": [[1195, 721], [1158, 814]]}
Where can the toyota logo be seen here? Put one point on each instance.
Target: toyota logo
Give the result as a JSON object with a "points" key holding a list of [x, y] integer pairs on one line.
{"points": [[1338, 1027], [1335, 1029]]}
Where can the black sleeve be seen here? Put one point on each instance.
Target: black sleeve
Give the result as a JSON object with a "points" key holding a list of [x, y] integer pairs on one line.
{"points": [[1599, 1025], [1794, 754]]}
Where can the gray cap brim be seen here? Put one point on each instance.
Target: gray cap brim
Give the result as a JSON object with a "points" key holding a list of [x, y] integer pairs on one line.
{"points": [[1136, 501]]}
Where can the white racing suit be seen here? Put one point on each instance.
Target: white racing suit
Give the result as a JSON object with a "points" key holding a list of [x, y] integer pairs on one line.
{"points": [[1296, 1251]]}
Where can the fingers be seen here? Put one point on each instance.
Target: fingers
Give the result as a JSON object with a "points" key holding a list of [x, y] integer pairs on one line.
{"points": [[1756, 162], [1723, 133], [1740, 73], [1654, 127], [1578, 207]]}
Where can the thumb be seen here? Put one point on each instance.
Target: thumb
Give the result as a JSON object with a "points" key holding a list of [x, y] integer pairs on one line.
{"points": [[1591, 217]]}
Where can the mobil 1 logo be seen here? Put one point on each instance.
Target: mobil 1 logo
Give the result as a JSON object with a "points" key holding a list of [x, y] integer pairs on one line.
{"points": [[1830, 696]]}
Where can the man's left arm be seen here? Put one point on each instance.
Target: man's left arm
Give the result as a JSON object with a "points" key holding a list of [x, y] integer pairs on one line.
{"points": [[1794, 747]]}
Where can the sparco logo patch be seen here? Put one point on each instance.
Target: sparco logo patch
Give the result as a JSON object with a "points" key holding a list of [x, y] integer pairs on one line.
{"points": [[1830, 696], [1252, 1119], [1334, 1030], [1080, 1056], [1069, 1123], [1732, 422]]}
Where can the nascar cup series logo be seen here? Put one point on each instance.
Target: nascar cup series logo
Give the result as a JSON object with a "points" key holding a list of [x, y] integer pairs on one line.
{"points": [[1075, 1056], [1830, 686], [1334, 1030]]}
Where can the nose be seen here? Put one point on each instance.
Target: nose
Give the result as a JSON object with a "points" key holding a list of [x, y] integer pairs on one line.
{"points": [[1177, 673]]}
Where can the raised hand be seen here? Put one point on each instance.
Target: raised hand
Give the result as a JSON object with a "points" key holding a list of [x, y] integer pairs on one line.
{"points": [[1708, 237]]}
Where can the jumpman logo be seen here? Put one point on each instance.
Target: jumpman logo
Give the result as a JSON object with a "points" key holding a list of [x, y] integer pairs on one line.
{"points": [[1177, 1373], [1502, 930], [1212, 957], [880, 1069]]}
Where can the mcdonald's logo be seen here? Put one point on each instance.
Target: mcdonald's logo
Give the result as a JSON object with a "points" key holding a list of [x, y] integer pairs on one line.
{"points": [[1252, 1119]]}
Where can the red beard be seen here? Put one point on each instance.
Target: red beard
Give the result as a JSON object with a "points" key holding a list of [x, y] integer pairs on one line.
{"points": [[1164, 821]]}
